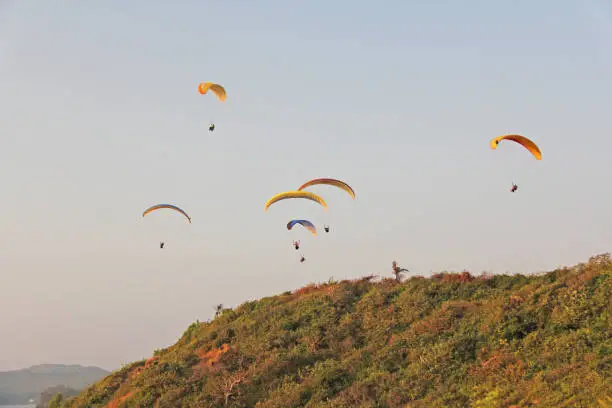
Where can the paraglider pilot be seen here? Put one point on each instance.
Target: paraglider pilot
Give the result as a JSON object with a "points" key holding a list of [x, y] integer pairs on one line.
{"points": [[296, 244], [302, 259], [211, 127], [514, 188], [161, 244], [326, 228]]}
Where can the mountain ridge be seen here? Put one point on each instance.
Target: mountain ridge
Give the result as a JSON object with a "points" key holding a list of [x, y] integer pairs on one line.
{"points": [[452, 339]]}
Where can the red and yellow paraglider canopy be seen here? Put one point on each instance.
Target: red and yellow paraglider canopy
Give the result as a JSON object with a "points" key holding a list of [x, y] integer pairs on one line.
{"points": [[217, 89]]}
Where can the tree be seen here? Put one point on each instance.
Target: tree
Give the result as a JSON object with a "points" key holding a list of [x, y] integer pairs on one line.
{"points": [[231, 381], [218, 309], [397, 271], [56, 401]]}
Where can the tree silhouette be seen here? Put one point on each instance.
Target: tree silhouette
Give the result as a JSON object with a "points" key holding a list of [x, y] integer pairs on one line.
{"points": [[218, 309], [397, 271]]}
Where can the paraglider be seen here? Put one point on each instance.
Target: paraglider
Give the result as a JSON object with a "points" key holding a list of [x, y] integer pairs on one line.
{"points": [[167, 206], [217, 89], [296, 194], [296, 245], [330, 182], [522, 140], [304, 223]]}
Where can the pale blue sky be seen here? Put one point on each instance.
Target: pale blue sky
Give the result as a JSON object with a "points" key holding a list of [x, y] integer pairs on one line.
{"points": [[100, 118]]}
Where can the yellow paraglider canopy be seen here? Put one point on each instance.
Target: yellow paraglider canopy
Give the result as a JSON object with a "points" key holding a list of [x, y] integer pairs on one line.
{"points": [[216, 88], [296, 194], [330, 182], [522, 140]]}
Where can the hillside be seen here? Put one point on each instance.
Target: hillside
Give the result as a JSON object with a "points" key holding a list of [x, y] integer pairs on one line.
{"points": [[452, 340], [50, 394], [18, 386]]}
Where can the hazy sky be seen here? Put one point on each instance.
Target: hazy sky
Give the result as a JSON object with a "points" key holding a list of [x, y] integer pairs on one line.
{"points": [[100, 117]]}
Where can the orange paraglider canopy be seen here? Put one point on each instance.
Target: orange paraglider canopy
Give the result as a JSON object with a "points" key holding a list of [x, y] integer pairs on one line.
{"points": [[522, 140], [216, 88]]}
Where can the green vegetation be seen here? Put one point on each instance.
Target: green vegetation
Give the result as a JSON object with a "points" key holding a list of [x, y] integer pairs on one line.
{"points": [[452, 340], [52, 397]]}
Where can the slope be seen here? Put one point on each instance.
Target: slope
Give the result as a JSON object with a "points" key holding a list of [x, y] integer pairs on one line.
{"points": [[452, 340]]}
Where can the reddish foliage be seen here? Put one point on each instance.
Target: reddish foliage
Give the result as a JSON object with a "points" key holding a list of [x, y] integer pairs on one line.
{"points": [[114, 403], [331, 289], [210, 358], [516, 300], [485, 276], [432, 326], [458, 308], [393, 338], [311, 288], [465, 276], [367, 278], [515, 371], [494, 365], [136, 372], [556, 374], [494, 362], [347, 344], [584, 278], [151, 361], [446, 277], [589, 270]]}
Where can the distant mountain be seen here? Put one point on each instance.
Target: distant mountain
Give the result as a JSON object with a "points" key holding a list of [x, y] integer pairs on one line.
{"points": [[18, 386]]}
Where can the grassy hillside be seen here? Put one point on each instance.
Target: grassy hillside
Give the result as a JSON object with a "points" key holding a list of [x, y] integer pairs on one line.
{"points": [[452, 340], [18, 386]]}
